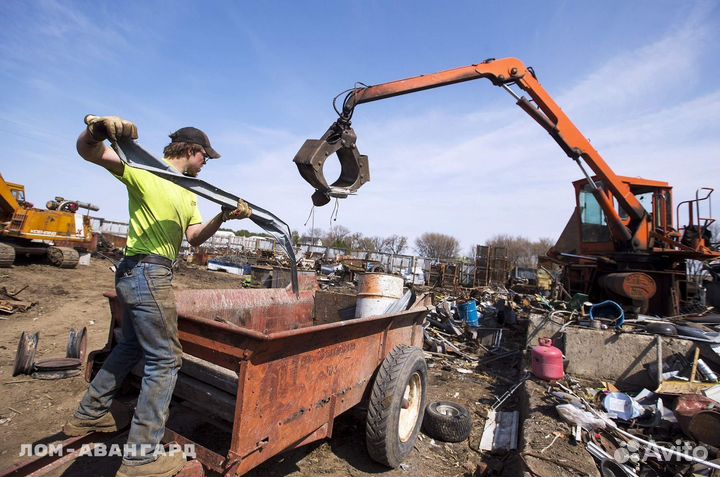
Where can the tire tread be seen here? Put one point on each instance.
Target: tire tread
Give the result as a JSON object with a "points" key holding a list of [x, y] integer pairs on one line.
{"points": [[380, 404], [447, 428]]}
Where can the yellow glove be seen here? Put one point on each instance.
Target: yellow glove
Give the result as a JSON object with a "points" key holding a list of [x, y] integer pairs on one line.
{"points": [[110, 127], [242, 211]]}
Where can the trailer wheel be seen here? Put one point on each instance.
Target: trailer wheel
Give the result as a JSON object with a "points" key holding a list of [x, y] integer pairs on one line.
{"points": [[396, 407], [447, 421]]}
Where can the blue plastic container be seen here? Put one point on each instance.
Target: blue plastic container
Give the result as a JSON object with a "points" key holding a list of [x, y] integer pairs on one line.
{"points": [[468, 313], [608, 309]]}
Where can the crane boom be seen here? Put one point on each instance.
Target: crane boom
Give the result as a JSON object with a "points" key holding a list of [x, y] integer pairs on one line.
{"points": [[547, 113], [634, 246], [541, 107]]}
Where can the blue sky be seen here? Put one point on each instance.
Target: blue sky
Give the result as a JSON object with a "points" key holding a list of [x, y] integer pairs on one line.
{"points": [[638, 78]]}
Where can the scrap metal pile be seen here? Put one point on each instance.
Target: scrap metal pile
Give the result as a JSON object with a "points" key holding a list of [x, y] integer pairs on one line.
{"points": [[670, 429]]}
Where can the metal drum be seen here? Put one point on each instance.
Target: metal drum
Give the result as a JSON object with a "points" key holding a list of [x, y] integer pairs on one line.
{"points": [[376, 292]]}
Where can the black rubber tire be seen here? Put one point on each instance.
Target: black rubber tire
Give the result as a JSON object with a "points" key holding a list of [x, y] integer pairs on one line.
{"points": [[405, 366], [447, 421]]}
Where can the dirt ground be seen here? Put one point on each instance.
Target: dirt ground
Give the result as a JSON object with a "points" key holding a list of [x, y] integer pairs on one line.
{"points": [[34, 410]]}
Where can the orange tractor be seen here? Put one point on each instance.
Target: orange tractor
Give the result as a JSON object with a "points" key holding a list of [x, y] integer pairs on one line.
{"points": [[55, 232], [621, 241]]}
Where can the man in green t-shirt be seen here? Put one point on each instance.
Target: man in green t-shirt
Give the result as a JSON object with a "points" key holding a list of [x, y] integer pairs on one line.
{"points": [[161, 213]]}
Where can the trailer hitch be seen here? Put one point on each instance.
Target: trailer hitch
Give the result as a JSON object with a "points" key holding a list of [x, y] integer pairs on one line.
{"points": [[354, 170]]}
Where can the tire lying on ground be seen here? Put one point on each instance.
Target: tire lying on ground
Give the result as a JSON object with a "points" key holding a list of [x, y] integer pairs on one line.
{"points": [[447, 421], [397, 402]]}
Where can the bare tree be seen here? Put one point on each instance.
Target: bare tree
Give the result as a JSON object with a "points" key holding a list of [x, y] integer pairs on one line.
{"points": [[436, 245], [312, 236], [521, 252], [337, 237], [394, 244], [368, 244]]}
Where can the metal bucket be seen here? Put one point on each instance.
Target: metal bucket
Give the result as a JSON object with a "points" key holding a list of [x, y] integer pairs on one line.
{"points": [[376, 292]]}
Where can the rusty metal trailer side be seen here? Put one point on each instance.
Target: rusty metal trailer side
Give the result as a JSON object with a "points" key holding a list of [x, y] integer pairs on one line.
{"points": [[293, 378]]}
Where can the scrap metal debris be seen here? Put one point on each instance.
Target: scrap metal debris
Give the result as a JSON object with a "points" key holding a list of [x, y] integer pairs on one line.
{"points": [[9, 303], [56, 368]]}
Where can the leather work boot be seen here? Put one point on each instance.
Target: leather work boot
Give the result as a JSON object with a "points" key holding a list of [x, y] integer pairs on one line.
{"points": [[166, 465], [109, 422]]}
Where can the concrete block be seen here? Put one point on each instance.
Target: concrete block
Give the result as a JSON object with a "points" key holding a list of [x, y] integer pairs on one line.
{"points": [[621, 358], [540, 326]]}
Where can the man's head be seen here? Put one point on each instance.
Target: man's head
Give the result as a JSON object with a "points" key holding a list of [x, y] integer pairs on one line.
{"points": [[191, 147]]}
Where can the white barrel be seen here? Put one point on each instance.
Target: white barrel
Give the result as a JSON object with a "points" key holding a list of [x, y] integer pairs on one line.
{"points": [[376, 292]]}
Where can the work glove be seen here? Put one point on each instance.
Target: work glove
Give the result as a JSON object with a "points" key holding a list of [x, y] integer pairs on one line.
{"points": [[110, 127], [242, 211]]}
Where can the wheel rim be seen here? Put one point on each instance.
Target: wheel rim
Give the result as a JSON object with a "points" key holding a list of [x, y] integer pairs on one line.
{"points": [[410, 407], [446, 410]]}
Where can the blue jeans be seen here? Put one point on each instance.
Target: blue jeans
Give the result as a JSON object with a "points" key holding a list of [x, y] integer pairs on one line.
{"points": [[149, 330]]}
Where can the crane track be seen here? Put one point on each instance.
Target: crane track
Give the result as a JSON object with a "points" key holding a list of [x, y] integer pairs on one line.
{"points": [[63, 257], [7, 255]]}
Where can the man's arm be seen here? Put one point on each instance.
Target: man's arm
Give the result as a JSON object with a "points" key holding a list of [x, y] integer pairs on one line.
{"points": [[97, 153], [198, 233], [90, 142]]}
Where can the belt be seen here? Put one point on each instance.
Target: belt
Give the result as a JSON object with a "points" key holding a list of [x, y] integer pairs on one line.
{"points": [[154, 259]]}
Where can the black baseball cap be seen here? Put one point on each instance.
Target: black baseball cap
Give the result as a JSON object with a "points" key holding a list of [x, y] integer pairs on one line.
{"points": [[195, 136]]}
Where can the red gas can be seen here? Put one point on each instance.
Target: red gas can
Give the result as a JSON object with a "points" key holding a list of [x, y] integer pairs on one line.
{"points": [[547, 361]]}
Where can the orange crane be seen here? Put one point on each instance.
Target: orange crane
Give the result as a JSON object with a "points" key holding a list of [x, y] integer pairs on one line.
{"points": [[26, 230], [613, 245]]}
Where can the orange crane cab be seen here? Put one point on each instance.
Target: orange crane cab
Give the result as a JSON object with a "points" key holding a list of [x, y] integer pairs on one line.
{"points": [[26, 230], [652, 278], [621, 241]]}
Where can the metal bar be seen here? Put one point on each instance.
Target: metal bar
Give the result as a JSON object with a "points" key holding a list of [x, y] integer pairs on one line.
{"points": [[658, 341], [499, 401], [132, 154]]}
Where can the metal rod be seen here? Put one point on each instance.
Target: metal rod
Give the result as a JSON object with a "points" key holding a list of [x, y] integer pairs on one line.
{"points": [[509, 90], [693, 371], [658, 342], [587, 176], [499, 401], [671, 451]]}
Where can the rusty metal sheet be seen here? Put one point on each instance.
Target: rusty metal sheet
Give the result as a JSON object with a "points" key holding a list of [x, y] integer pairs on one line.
{"points": [[208, 458], [57, 364], [705, 427], [263, 310]]}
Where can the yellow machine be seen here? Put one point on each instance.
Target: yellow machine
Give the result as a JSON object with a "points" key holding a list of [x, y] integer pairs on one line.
{"points": [[55, 232]]}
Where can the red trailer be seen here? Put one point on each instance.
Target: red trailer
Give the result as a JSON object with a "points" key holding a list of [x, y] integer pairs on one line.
{"points": [[258, 366]]}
